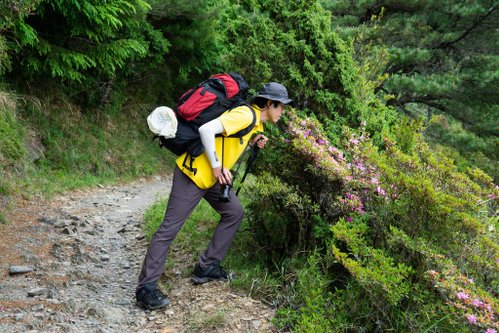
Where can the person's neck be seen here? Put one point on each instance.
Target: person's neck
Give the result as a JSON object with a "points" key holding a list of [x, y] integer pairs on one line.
{"points": [[264, 116]]}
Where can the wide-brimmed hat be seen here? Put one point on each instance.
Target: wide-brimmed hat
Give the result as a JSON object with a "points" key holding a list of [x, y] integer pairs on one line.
{"points": [[275, 92]]}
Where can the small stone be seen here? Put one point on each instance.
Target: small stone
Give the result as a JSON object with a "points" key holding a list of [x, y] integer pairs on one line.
{"points": [[168, 330], [104, 257], [36, 292], [68, 231], [19, 316], [20, 270], [46, 220], [38, 307], [60, 224], [256, 324], [126, 265]]}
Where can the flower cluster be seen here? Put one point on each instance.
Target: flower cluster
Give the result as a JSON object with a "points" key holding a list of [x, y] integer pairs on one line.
{"points": [[359, 179], [463, 295], [309, 140], [353, 203]]}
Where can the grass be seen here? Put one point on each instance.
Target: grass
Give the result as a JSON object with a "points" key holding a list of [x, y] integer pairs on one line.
{"points": [[205, 322], [81, 149]]}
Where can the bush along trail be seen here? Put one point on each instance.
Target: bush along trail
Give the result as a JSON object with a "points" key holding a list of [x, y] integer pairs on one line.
{"points": [[71, 264]]}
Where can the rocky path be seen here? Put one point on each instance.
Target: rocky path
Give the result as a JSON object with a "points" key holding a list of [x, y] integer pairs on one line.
{"points": [[70, 265]]}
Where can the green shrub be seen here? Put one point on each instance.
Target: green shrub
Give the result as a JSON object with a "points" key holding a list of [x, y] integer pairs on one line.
{"points": [[407, 228], [11, 138]]}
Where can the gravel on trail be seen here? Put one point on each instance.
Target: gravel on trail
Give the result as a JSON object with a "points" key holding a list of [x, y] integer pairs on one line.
{"points": [[70, 264]]}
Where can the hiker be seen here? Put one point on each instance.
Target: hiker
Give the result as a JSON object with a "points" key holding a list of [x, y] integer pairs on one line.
{"points": [[209, 181]]}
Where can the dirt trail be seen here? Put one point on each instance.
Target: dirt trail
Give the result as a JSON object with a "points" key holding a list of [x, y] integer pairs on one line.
{"points": [[84, 250]]}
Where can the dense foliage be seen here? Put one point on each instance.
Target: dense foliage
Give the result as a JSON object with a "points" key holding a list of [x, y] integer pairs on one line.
{"points": [[371, 228], [391, 227], [384, 220], [441, 61], [292, 42]]}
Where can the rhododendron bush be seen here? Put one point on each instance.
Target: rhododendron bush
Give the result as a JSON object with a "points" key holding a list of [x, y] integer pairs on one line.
{"points": [[398, 230]]}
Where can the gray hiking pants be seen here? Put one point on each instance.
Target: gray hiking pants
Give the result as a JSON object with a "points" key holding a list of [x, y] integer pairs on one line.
{"points": [[184, 197]]}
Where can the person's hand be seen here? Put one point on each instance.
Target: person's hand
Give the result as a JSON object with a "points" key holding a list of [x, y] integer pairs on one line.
{"points": [[260, 140], [222, 175]]}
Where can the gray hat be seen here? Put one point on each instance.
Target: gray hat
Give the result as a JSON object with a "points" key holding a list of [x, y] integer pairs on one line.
{"points": [[275, 92]]}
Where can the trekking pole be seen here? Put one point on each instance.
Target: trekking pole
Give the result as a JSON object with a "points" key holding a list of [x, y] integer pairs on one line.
{"points": [[249, 165]]}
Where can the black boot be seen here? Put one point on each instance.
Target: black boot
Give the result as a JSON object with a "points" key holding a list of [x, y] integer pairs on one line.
{"points": [[214, 272], [151, 298]]}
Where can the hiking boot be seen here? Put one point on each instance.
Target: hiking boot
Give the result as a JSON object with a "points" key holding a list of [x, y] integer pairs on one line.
{"points": [[214, 272], [150, 298]]}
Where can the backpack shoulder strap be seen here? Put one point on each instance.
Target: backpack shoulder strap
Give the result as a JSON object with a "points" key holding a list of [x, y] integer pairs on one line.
{"points": [[248, 129]]}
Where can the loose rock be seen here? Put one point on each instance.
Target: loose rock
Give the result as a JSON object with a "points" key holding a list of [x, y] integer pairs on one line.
{"points": [[36, 292], [20, 270]]}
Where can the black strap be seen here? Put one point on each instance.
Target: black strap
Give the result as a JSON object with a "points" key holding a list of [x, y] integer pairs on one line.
{"points": [[190, 168], [249, 165], [223, 146]]}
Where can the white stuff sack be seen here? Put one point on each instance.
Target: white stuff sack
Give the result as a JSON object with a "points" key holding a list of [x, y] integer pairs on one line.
{"points": [[163, 122]]}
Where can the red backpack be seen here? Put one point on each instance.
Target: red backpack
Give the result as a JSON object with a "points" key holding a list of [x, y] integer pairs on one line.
{"points": [[209, 99], [205, 102]]}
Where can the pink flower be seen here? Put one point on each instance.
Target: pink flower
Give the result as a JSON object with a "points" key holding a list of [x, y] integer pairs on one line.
{"points": [[462, 295], [477, 303], [471, 318], [303, 123], [354, 141], [490, 330], [349, 219], [471, 280], [433, 272], [491, 196], [380, 191]]}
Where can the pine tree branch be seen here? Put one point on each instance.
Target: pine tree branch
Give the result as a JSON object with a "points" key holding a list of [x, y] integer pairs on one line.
{"points": [[469, 30], [397, 103], [430, 101], [426, 100]]}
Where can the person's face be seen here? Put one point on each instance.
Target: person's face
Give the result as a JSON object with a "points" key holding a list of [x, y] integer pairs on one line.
{"points": [[275, 112]]}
